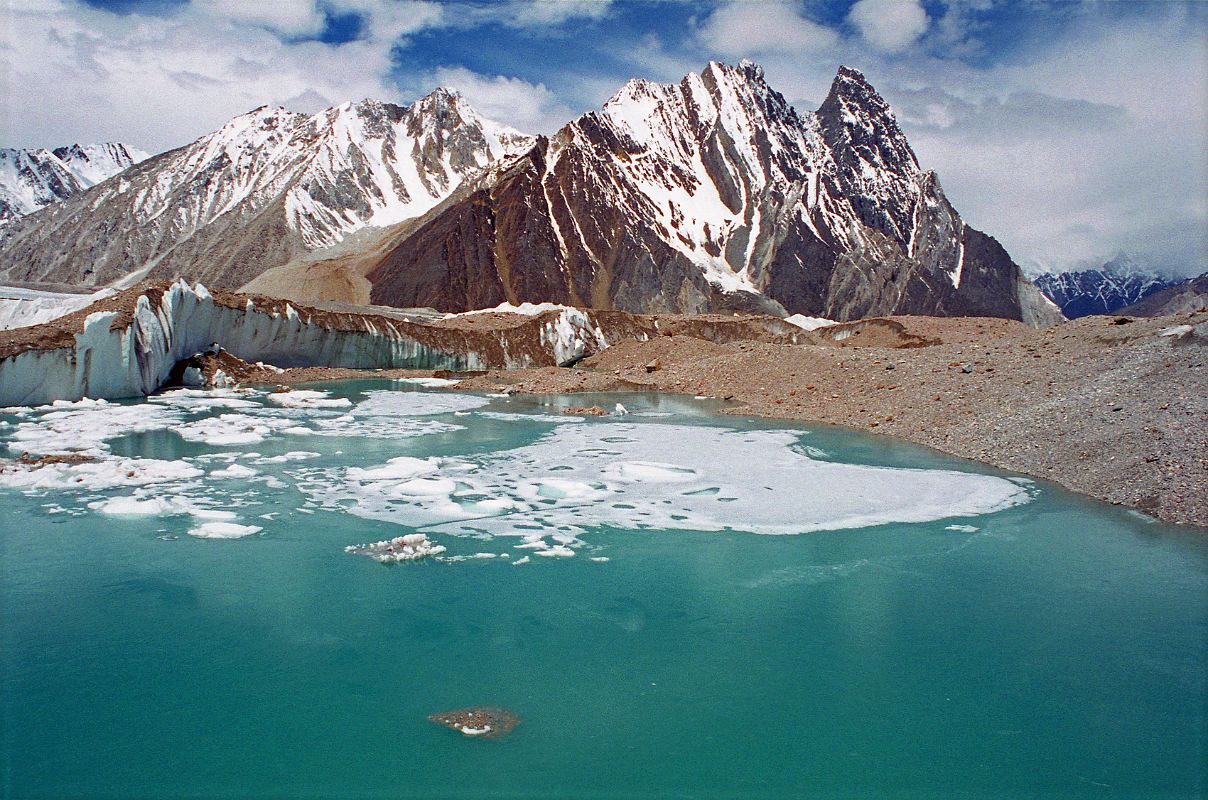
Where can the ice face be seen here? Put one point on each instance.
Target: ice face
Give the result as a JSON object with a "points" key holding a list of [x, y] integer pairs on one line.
{"points": [[654, 475]]}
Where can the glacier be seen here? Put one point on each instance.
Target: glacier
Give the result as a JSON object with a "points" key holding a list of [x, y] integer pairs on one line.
{"points": [[119, 355]]}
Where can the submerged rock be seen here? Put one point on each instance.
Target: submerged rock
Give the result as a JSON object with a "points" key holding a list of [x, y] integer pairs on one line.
{"points": [[585, 411], [482, 723]]}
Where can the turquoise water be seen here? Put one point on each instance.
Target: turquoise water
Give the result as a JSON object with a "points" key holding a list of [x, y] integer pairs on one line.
{"points": [[1058, 650]]}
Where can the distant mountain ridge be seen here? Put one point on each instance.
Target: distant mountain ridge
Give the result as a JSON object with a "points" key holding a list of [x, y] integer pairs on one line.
{"points": [[1120, 282], [705, 195], [1182, 297], [31, 179]]}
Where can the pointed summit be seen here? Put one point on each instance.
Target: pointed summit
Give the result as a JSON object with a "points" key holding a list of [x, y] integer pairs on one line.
{"points": [[877, 168]]}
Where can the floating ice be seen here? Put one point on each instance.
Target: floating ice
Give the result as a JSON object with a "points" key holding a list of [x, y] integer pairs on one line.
{"points": [[654, 475], [157, 506], [306, 398], [431, 383], [205, 399], [107, 473], [413, 404], [411, 547], [233, 471], [85, 425], [232, 429], [293, 455], [223, 530], [962, 528], [506, 416]]}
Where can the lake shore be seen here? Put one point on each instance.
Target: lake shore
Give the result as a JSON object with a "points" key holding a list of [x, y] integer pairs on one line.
{"points": [[1106, 408]]}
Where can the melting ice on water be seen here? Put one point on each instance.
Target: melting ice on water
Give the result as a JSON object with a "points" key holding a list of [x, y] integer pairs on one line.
{"points": [[548, 494]]}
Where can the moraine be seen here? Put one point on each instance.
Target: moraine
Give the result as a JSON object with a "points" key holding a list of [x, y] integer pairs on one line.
{"points": [[671, 601]]}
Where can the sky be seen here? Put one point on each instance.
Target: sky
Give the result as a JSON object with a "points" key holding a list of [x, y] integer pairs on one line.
{"points": [[1071, 131]]}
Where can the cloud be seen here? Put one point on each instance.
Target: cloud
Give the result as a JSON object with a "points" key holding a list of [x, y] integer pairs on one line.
{"points": [[541, 13], [296, 18], [530, 108], [78, 73], [1085, 140], [752, 29], [889, 25]]}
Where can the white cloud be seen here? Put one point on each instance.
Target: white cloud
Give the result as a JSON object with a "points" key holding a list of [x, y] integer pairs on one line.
{"points": [[530, 108], [77, 73], [289, 17], [752, 29], [889, 25], [540, 13]]}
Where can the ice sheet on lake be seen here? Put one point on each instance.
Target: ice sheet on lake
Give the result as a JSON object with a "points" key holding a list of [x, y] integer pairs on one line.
{"points": [[107, 473], [206, 399], [84, 426], [307, 398], [653, 475], [385, 403], [234, 429]]}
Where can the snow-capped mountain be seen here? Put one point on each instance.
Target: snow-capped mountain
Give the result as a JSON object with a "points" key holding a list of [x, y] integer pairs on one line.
{"points": [[267, 186], [33, 179], [709, 194], [1118, 283]]}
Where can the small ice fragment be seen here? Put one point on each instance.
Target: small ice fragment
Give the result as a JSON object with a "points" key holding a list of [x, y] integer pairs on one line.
{"points": [[223, 530], [233, 471], [556, 551], [620, 410]]}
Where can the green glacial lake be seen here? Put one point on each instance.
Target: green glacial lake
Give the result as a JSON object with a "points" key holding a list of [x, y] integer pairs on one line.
{"points": [[711, 607]]}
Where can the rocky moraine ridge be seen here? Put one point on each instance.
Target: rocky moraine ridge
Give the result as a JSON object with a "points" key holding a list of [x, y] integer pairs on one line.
{"points": [[712, 194]]}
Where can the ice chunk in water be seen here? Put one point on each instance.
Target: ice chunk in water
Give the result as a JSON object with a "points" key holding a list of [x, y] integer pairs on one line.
{"points": [[306, 398], [411, 547], [223, 530]]}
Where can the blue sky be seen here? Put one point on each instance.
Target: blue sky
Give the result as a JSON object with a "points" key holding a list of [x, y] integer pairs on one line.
{"points": [[1070, 131]]}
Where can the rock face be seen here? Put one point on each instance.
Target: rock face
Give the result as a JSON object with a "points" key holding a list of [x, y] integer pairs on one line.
{"points": [[33, 179], [1117, 284], [267, 186], [712, 194]]}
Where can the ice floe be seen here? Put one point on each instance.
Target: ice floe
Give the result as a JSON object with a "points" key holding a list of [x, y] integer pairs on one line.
{"points": [[159, 506], [431, 383], [223, 530], [386, 403], [654, 475], [105, 473], [233, 429], [306, 398], [84, 426]]}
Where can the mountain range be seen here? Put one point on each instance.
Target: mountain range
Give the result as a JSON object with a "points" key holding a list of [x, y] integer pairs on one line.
{"points": [[1118, 283], [31, 179], [710, 194]]}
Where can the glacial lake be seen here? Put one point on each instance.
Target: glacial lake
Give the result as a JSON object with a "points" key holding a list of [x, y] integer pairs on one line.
{"points": [[711, 606]]}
